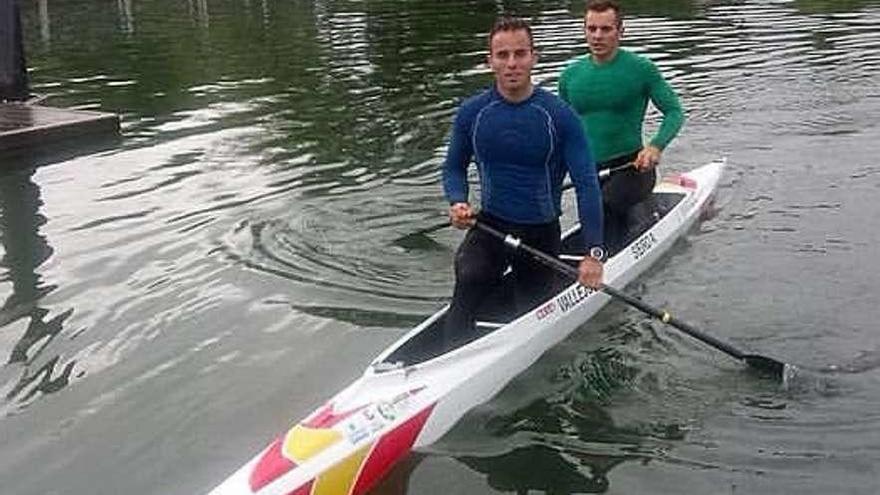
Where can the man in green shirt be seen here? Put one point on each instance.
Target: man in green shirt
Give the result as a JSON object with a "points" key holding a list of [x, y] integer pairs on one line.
{"points": [[610, 89]]}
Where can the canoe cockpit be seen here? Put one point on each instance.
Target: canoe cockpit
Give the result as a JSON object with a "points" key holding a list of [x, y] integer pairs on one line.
{"points": [[498, 308]]}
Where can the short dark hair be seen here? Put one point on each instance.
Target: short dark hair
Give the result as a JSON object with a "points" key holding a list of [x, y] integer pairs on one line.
{"points": [[602, 6], [511, 23]]}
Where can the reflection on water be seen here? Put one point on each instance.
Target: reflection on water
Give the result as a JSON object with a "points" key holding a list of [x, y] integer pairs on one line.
{"points": [[187, 282], [832, 6], [45, 22], [25, 249], [566, 440], [548, 469]]}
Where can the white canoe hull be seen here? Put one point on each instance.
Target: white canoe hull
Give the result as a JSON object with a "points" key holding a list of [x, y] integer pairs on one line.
{"points": [[348, 444]]}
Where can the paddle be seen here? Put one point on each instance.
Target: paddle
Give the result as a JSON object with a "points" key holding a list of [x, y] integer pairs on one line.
{"points": [[762, 363], [413, 237]]}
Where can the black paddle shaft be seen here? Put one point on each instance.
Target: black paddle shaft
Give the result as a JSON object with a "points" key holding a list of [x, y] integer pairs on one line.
{"points": [[760, 362]]}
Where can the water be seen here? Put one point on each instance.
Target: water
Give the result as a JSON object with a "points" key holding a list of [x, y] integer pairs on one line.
{"points": [[173, 300]]}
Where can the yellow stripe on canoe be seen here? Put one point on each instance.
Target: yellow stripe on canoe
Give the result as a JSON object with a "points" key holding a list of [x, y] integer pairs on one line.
{"points": [[302, 442], [340, 479]]}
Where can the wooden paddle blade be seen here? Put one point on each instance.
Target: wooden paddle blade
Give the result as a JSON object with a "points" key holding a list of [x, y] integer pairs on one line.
{"points": [[766, 365]]}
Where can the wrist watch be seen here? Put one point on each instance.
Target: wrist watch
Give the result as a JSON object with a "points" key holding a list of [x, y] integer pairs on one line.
{"points": [[596, 252]]}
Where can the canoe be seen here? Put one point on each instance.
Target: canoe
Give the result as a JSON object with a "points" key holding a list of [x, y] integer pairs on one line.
{"points": [[415, 391]]}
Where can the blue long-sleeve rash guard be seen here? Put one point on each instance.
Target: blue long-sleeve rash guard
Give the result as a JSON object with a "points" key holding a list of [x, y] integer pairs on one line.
{"points": [[523, 151]]}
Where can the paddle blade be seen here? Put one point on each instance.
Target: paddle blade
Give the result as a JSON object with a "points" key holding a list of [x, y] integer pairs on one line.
{"points": [[766, 365]]}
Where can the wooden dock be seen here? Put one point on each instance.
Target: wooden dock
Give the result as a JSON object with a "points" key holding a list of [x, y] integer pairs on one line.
{"points": [[33, 126]]}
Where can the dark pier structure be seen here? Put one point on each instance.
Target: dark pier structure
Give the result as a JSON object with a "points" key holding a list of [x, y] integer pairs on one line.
{"points": [[23, 125]]}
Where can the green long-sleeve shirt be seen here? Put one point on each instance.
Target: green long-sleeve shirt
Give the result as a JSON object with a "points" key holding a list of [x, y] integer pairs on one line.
{"points": [[611, 99]]}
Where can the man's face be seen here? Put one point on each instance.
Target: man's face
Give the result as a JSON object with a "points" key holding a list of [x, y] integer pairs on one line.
{"points": [[511, 59], [602, 32]]}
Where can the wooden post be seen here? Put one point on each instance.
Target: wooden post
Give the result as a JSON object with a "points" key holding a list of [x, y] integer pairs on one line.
{"points": [[13, 70]]}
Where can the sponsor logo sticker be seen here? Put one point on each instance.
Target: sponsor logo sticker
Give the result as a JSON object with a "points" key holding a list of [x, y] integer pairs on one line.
{"points": [[643, 245], [572, 297], [546, 310], [375, 417]]}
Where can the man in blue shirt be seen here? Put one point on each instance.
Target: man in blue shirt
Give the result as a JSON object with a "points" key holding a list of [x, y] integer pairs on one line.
{"points": [[523, 141]]}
